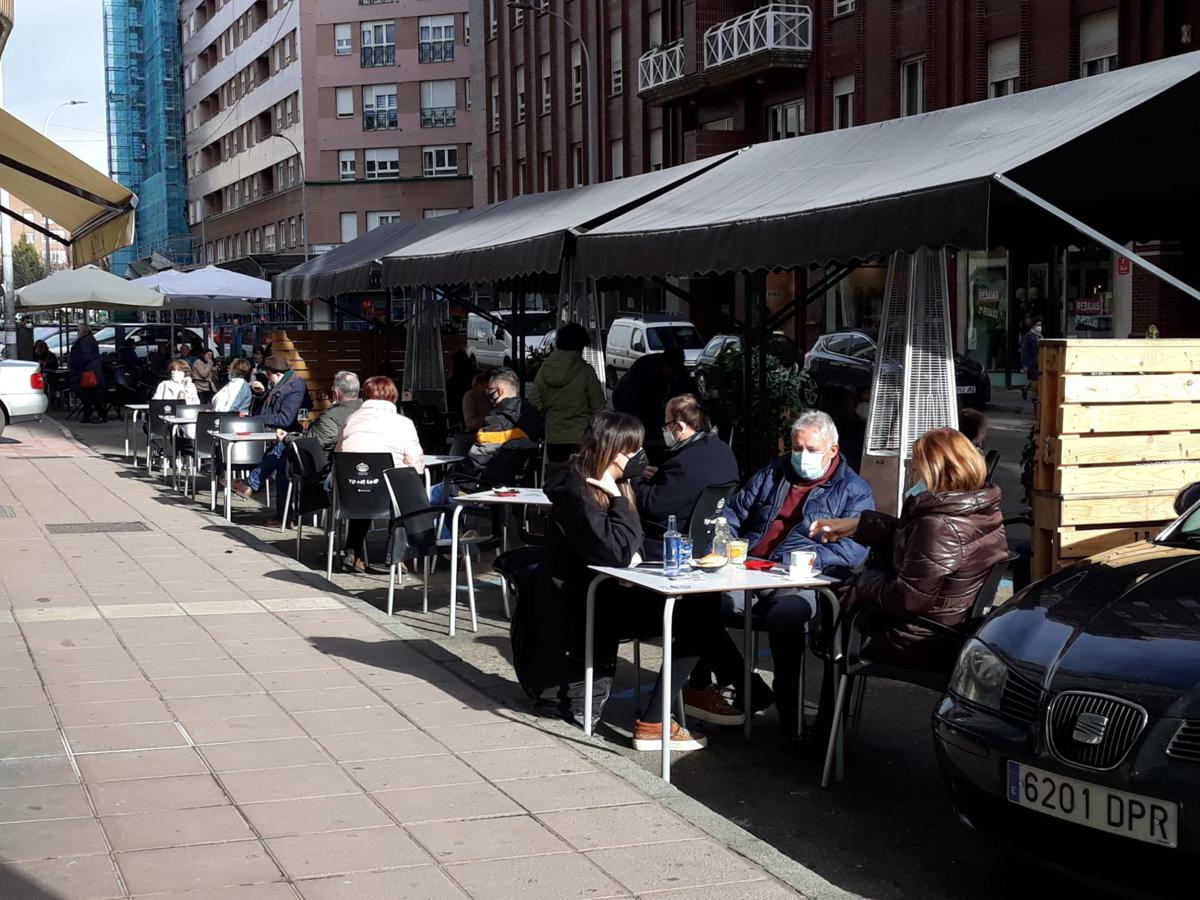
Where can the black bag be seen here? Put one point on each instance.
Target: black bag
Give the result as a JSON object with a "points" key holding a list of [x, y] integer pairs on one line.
{"points": [[532, 629]]}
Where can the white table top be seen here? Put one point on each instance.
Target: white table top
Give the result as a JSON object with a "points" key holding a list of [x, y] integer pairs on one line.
{"points": [[178, 420], [523, 497], [434, 459], [251, 436], [694, 581], [137, 406]]}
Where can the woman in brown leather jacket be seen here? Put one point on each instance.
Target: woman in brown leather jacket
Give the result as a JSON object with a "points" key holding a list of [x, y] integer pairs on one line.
{"points": [[948, 537]]}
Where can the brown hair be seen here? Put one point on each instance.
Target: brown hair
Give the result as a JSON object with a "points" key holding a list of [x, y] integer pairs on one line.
{"points": [[380, 387], [686, 408], [240, 368], [948, 461], [608, 434], [179, 365]]}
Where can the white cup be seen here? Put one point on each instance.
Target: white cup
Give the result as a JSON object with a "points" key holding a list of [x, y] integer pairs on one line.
{"points": [[800, 563]]}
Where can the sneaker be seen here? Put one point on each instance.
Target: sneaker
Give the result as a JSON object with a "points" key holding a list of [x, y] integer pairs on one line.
{"points": [[710, 705], [648, 736]]}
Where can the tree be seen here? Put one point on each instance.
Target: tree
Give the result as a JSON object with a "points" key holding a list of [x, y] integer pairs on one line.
{"points": [[27, 264]]}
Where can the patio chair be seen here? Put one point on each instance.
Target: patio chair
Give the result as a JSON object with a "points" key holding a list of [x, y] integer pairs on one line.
{"points": [[200, 453], [306, 494], [158, 432], [244, 456], [359, 492]]}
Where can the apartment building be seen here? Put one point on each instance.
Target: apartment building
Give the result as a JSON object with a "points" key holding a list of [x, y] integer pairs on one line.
{"points": [[309, 123]]}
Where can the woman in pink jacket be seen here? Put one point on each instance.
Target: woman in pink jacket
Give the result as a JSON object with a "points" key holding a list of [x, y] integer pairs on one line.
{"points": [[377, 427]]}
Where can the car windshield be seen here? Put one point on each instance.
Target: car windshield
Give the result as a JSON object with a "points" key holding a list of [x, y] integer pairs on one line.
{"points": [[683, 336], [1189, 528], [535, 323]]}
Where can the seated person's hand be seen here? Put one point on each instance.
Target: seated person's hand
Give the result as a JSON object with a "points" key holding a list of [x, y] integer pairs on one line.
{"points": [[830, 530], [257, 387], [607, 484], [280, 434], [649, 471]]}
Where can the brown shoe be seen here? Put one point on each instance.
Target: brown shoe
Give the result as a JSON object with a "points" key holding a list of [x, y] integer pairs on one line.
{"points": [[242, 489], [648, 736], [272, 523], [709, 705]]}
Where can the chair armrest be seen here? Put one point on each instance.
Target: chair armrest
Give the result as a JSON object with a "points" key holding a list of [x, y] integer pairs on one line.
{"points": [[429, 510]]}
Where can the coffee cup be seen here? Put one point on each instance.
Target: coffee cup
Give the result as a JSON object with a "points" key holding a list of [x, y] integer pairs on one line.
{"points": [[801, 563]]}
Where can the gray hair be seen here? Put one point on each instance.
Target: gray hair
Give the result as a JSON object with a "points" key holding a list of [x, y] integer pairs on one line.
{"points": [[508, 376], [347, 384], [814, 418]]}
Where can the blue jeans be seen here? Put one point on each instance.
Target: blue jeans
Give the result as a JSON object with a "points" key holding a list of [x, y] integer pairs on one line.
{"points": [[439, 494], [273, 463]]}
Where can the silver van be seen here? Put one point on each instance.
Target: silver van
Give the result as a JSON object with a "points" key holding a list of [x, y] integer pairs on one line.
{"points": [[632, 337], [491, 345]]}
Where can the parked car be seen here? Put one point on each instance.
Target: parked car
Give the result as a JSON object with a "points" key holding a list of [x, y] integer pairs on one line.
{"points": [[490, 345], [632, 337], [144, 337], [22, 392], [846, 359], [710, 367], [1073, 716]]}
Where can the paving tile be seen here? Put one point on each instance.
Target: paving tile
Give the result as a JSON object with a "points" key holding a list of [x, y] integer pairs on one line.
{"points": [[288, 662], [36, 771], [191, 668], [279, 818], [435, 715], [50, 839], [585, 791], [740, 890], [20, 744], [176, 828], [328, 698], [351, 721], [20, 677], [57, 614], [275, 891], [220, 607], [287, 784], [197, 868], [563, 876], [95, 738], [190, 709], [148, 610], [424, 771], [618, 826], [338, 852], [79, 656], [530, 762], [380, 745], [79, 878], [651, 867], [113, 712], [71, 675], [405, 695], [427, 671], [102, 691], [142, 795], [277, 754], [207, 686], [478, 839], [26, 695], [205, 648], [150, 632], [27, 718], [97, 767], [293, 604], [447, 802], [310, 679], [282, 646], [61, 801], [242, 728], [426, 882]]}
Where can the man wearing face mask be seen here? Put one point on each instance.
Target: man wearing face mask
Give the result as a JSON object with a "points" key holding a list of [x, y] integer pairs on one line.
{"points": [[1029, 354]]}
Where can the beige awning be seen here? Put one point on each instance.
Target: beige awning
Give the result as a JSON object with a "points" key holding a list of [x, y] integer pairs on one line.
{"points": [[94, 209]]}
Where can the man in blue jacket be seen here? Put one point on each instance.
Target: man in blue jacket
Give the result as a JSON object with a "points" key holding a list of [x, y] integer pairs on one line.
{"points": [[773, 512]]}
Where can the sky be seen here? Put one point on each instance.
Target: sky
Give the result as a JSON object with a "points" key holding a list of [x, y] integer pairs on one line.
{"points": [[56, 53]]}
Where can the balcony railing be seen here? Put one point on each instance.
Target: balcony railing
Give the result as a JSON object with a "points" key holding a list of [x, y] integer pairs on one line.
{"points": [[381, 120], [436, 51], [383, 55], [661, 65], [777, 26], [437, 117]]}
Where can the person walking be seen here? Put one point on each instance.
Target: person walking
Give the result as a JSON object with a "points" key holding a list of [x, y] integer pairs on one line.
{"points": [[567, 392], [87, 375], [1029, 357]]}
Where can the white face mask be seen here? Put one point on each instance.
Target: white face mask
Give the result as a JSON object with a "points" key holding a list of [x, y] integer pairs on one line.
{"points": [[177, 377]]}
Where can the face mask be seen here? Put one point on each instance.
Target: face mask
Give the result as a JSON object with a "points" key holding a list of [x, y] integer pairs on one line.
{"points": [[668, 438], [177, 377], [808, 464], [862, 410], [919, 488]]}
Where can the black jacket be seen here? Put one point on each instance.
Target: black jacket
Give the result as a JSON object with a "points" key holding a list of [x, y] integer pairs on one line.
{"points": [[515, 422], [583, 533]]}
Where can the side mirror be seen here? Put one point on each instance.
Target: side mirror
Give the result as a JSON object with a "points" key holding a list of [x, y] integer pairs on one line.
{"points": [[1187, 498]]}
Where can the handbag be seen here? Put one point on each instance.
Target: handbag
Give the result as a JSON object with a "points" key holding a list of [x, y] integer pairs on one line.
{"points": [[87, 379]]}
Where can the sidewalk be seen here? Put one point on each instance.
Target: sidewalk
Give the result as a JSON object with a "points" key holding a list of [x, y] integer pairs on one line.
{"points": [[180, 712]]}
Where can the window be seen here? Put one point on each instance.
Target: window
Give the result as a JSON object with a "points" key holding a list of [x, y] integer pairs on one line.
{"points": [[268, 239], [437, 213], [723, 124], [544, 65], [439, 161], [291, 170], [345, 102], [616, 155], [467, 28], [467, 93], [1098, 43], [346, 165], [378, 44], [292, 231], [435, 35], [576, 72], [437, 104], [1004, 66], [519, 87], [656, 149], [912, 87], [492, 17], [785, 120], [495, 184], [616, 76], [375, 219], [382, 162], [349, 223], [288, 111], [494, 85], [654, 29], [577, 164], [520, 178], [842, 7], [342, 40], [843, 102], [379, 107], [547, 171], [518, 16]]}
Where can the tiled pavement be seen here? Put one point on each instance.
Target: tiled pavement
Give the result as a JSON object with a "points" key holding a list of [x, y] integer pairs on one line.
{"points": [[181, 716]]}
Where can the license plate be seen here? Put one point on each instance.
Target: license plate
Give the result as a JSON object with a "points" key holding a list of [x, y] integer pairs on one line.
{"points": [[1096, 806], [966, 388]]}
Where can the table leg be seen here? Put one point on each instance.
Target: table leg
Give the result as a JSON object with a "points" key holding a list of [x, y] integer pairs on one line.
{"points": [[227, 449], [750, 661], [589, 653], [664, 687], [458, 508], [127, 418], [428, 482], [148, 472]]}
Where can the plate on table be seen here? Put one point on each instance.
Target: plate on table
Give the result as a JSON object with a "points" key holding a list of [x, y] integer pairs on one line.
{"points": [[709, 563], [506, 492]]}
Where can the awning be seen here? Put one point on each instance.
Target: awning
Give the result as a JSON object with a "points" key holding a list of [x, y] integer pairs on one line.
{"points": [[94, 209], [526, 235], [87, 288], [1116, 151]]}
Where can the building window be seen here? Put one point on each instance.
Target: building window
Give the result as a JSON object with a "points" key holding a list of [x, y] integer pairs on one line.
{"points": [[495, 185], [616, 81], [439, 161], [616, 155], [435, 35], [342, 40], [494, 86], [268, 240], [292, 230], [577, 164], [843, 102], [378, 44], [547, 171], [291, 170], [1098, 43], [912, 86], [345, 102], [467, 94], [544, 65], [380, 111], [437, 213], [518, 16], [346, 170], [382, 162], [1004, 66], [654, 29], [843, 7], [519, 87], [656, 149], [520, 178], [375, 219], [576, 72], [492, 17], [437, 104], [785, 120], [349, 223], [466, 31]]}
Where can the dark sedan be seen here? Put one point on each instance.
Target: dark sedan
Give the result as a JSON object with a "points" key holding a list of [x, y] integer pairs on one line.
{"points": [[712, 366], [846, 359], [1072, 725]]}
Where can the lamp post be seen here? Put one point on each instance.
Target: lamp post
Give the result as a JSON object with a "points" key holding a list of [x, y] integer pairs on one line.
{"points": [[303, 192], [589, 113], [45, 130]]}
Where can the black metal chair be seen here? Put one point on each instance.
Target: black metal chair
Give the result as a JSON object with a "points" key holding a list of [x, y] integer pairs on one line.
{"points": [[461, 444], [181, 441], [991, 460], [158, 432], [359, 492], [306, 494], [242, 456], [201, 453]]}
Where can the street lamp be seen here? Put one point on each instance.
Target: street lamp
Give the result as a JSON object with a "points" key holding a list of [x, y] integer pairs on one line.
{"points": [[45, 130], [303, 191], [591, 81]]}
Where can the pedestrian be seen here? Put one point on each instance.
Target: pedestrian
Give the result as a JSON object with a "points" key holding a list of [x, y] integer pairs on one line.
{"points": [[1029, 357], [25, 340], [87, 375], [204, 374], [567, 392]]}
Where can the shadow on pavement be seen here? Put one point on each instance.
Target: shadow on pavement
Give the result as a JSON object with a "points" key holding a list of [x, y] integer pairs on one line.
{"points": [[16, 886]]}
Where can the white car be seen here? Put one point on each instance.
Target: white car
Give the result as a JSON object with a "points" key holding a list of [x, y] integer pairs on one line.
{"points": [[632, 337], [22, 392], [490, 345]]}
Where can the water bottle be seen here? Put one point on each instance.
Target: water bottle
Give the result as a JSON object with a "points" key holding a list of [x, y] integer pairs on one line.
{"points": [[671, 549], [720, 544]]}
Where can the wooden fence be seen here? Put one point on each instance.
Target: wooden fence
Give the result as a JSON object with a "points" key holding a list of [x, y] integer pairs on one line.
{"points": [[316, 356]]}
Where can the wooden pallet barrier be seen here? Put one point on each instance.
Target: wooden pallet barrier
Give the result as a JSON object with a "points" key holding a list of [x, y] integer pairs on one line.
{"points": [[316, 356]]}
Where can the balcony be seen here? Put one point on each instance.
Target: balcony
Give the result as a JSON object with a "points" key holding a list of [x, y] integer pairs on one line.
{"points": [[436, 51], [660, 66], [383, 55], [437, 116], [778, 26], [381, 120]]}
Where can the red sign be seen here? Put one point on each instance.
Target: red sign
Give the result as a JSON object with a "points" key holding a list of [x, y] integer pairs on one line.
{"points": [[1123, 265]]}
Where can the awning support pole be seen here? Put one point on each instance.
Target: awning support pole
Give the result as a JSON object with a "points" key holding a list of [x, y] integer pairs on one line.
{"points": [[41, 229], [1096, 236]]}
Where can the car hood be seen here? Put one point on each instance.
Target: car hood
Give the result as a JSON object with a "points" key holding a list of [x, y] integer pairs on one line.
{"points": [[1126, 622]]}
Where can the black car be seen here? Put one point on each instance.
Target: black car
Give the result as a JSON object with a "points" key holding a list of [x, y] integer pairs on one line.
{"points": [[846, 359], [1072, 724], [710, 368]]}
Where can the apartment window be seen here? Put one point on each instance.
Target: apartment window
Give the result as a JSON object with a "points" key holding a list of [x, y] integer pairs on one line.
{"points": [[346, 165], [345, 102], [912, 86], [378, 44], [654, 29], [292, 231], [520, 178], [466, 31], [494, 86], [656, 149], [375, 219], [576, 72], [439, 161], [435, 36], [342, 40], [495, 184], [437, 213], [785, 120], [547, 171], [577, 164], [544, 65], [492, 17], [843, 102], [842, 7], [467, 94], [616, 77], [1004, 66], [518, 17], [616, 155], [268, 239], [291, 170], [349, 223], [519, 88], [437, 104], [382, 162], [380, 111], [288, 110], [1098, 43]]}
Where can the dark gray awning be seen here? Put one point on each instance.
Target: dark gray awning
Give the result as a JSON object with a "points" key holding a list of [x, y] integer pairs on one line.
{"points": [[1114, 150], [525, 235]]}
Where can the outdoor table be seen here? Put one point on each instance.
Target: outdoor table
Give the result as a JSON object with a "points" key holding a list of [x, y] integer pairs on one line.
{"points": [[730, 578], [226, 440], [432, 460], [134, 409], [523, 497]]}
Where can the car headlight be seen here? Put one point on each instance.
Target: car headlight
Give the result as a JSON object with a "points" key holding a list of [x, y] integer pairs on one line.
{"points": [[979, 675]]}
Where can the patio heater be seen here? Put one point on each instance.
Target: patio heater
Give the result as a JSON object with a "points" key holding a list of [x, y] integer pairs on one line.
{"points": [[912, 390], [424, 371]]}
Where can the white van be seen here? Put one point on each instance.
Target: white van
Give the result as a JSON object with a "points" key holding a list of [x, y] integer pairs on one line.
{"points": [[490, 345], [632, 337]]}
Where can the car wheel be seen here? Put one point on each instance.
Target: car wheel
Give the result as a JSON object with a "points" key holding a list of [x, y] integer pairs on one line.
{"points": [[810, 391], [3, 419]]}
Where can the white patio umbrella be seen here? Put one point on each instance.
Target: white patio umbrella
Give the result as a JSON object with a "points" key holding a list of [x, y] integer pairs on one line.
{"points": [[211, 288], [89, 287]]}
